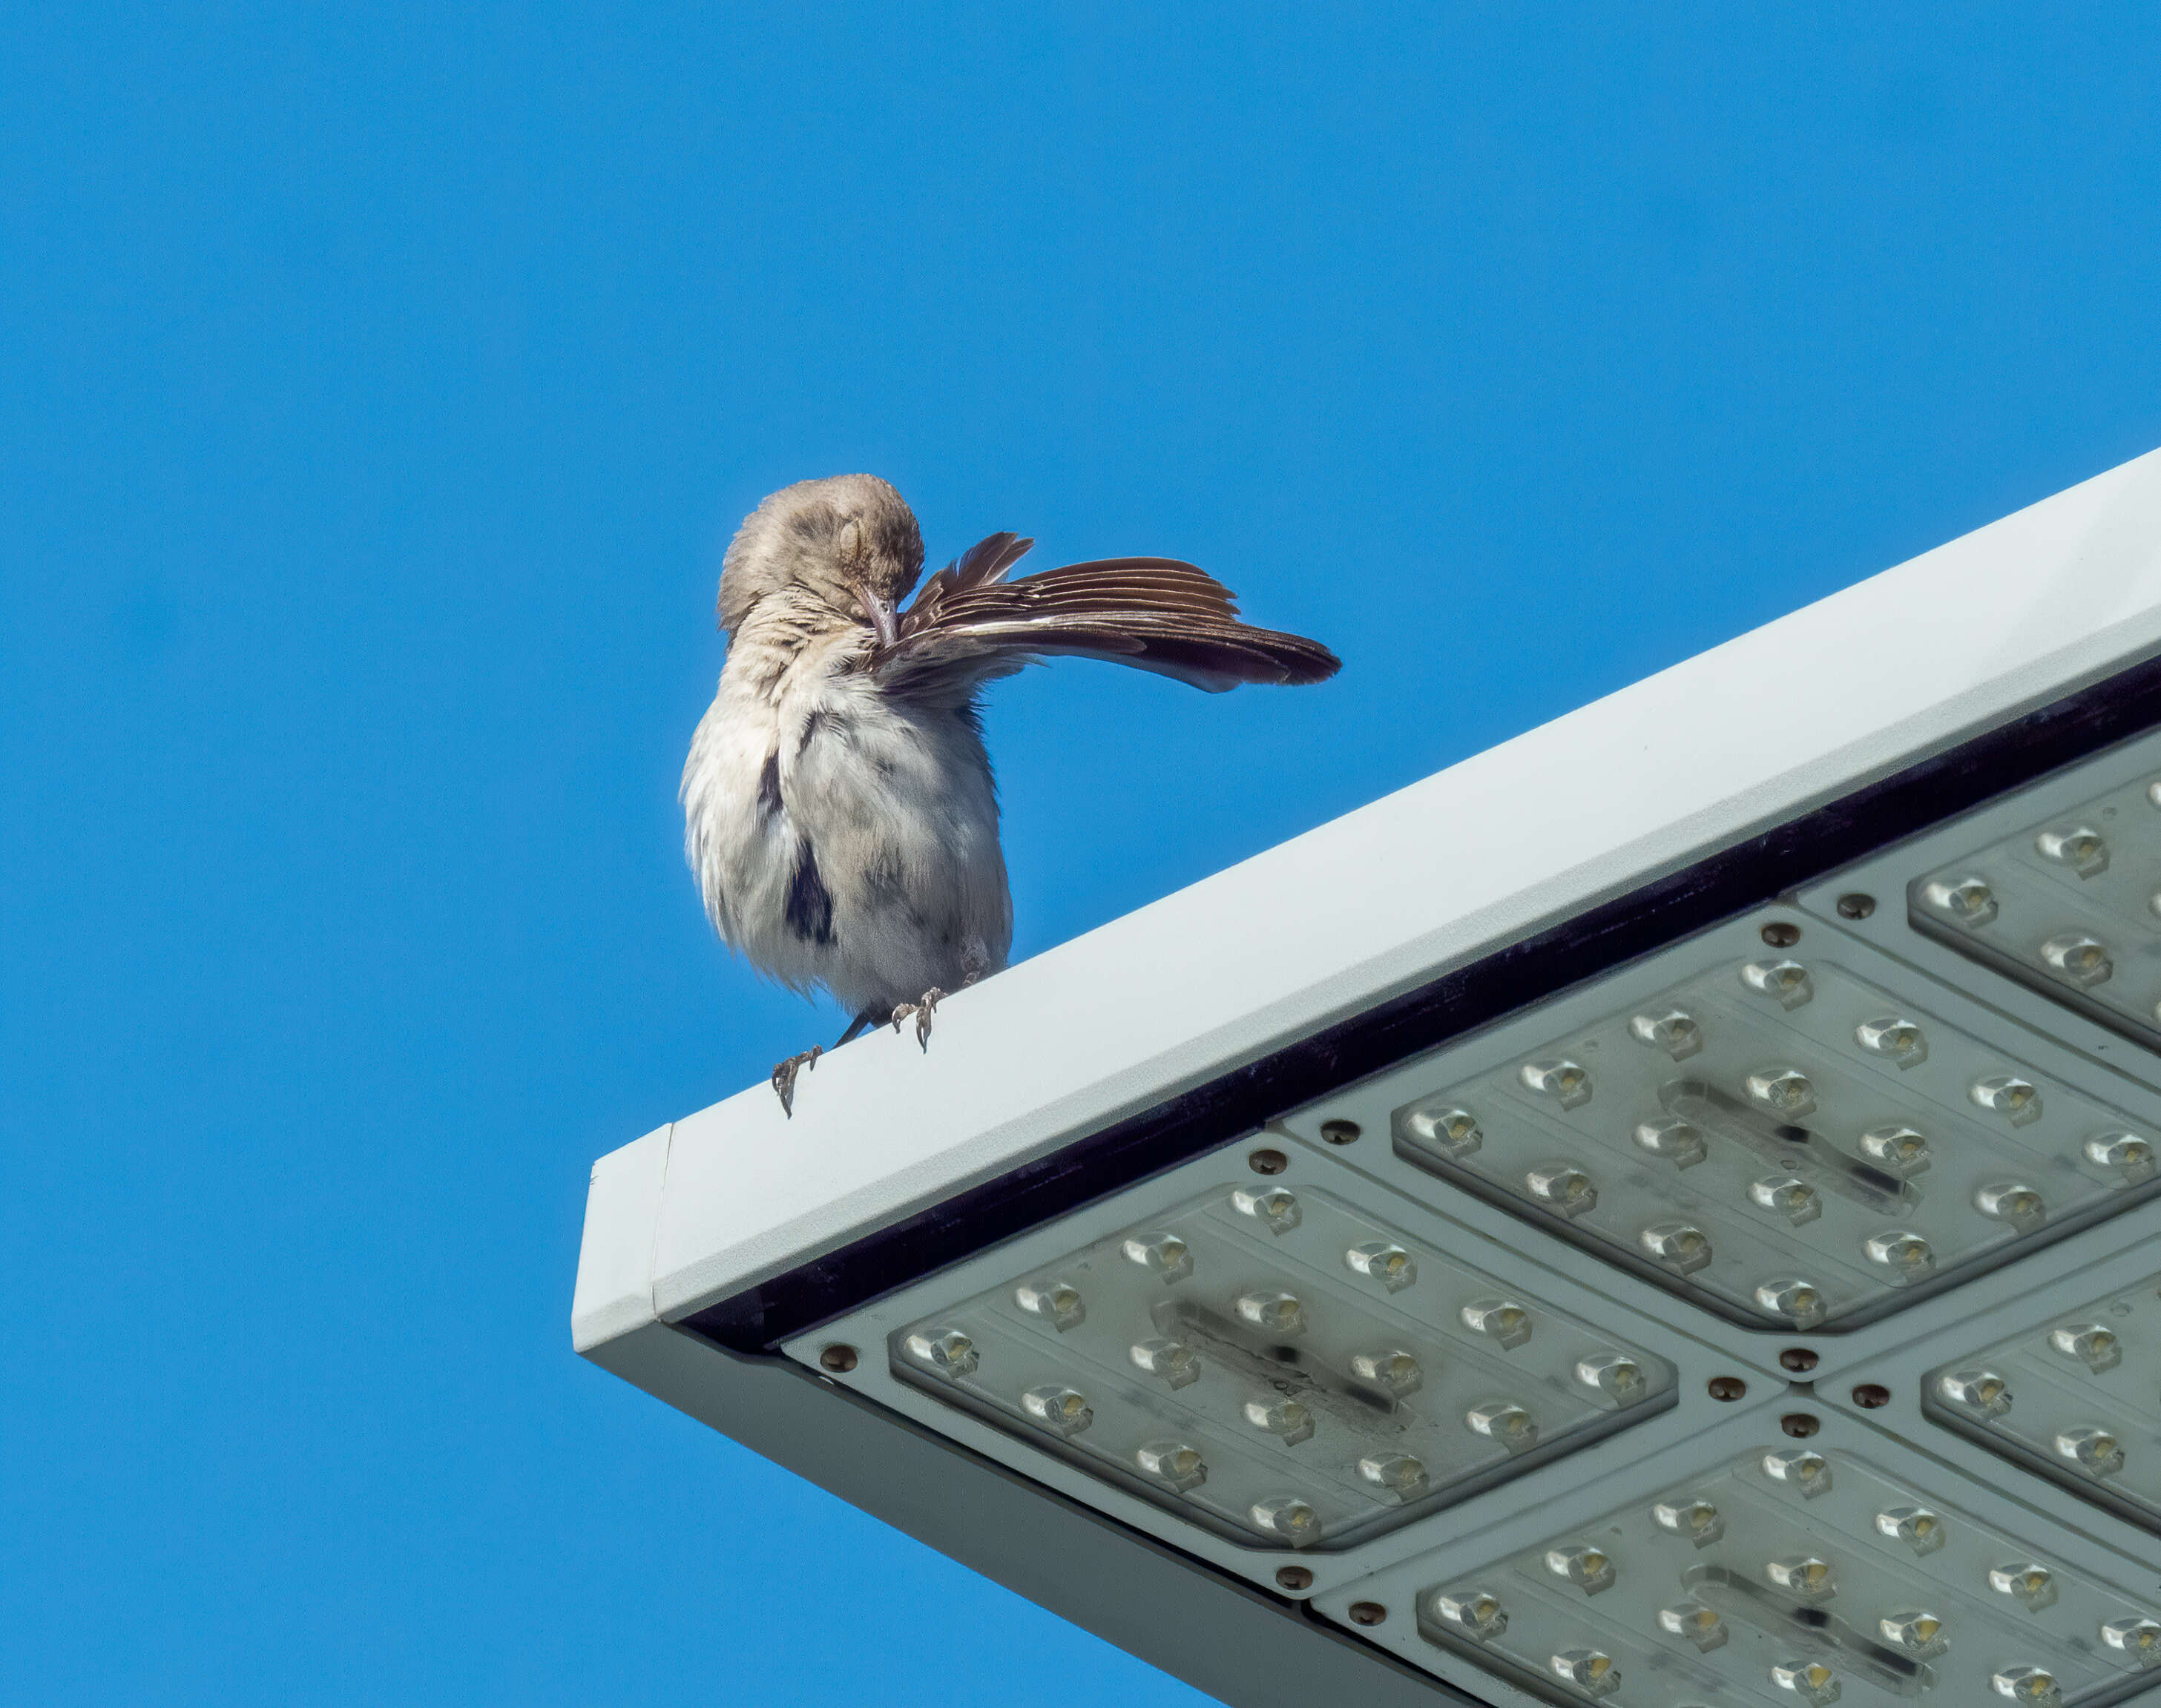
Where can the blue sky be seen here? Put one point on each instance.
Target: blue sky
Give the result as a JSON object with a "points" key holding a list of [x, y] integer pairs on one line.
{"points": [[377, 387]]}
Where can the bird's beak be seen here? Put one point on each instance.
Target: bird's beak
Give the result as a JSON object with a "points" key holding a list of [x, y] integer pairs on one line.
{"points": [[879, 614]]}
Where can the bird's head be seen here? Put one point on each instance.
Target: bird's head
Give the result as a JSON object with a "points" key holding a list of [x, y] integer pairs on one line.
{"points": [[848, 543]]}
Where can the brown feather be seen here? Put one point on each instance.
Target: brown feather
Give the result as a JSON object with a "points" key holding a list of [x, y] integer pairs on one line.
{"points": [[969, 625]]}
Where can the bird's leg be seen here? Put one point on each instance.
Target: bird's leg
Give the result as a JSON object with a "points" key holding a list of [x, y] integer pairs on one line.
{"points": [[784, 1076], [923, 1010]]}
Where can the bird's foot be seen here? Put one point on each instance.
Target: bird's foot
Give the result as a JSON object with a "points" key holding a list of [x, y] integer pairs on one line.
{"points": [[923, 1010], [784, 1076]]}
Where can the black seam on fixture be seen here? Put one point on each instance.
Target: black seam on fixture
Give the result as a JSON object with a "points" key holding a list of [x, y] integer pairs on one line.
{"points": [[1185, 1126]]}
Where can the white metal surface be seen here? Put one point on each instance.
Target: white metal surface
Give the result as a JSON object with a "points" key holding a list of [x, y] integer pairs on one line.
{"points": [[1632, 786]]}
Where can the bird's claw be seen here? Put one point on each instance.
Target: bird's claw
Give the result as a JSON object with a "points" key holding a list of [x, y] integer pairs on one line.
{"points": [[784, 1076], [923, 1010]]}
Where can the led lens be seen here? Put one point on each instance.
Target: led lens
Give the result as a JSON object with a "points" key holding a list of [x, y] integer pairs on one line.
{"points": [[1742, 1587], [1824, 1124], [2087, 1385], [2065, 905], [1236, 1362]]}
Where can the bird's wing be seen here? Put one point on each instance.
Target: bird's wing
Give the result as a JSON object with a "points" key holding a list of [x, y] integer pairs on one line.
{"points": [[969, 624]]}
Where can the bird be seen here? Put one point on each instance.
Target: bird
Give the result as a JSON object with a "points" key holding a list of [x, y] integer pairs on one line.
{"points": [[840, 813]]}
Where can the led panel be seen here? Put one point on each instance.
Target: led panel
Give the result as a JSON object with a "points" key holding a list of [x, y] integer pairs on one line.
{"points": [[1778, 1121], [1283, 1362], [2076, 1391], [2053, 885], [2069, 902], [1278, 1364], [1777, 1569]]}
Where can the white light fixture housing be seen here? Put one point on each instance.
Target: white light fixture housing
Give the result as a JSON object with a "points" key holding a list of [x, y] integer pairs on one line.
{"points": [[1663, 1211]]}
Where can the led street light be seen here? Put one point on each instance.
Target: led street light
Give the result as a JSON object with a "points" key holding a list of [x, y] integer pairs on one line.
{"points": [[1666, 1212]]}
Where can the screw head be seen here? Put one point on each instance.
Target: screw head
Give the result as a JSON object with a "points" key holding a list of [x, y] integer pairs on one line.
{"points": [[1800, 1360], [1800, 1424], [838, 1358], [1339, 1132], [1295, 1577], [1368, 1612], [1869, 1395], [1726, 1387], [1782, 934], [1268, 1162], [1855, 905]]}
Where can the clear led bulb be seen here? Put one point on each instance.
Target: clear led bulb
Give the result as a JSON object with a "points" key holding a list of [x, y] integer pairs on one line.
{"points": [[1275, 1207], [1289, 1519], [1172, 1361], [2139, 1640], [2007, 1095], [1984, 1393], [2078, 958], [2033, 1587], [1477, 1613], [2082, 848], [1919, 1529], [1398, 1473], [1503, 1322], [1444, 1127], [1384, 1261], [1813, 1681], [1563, 1187], [1786, 982], [1967, 902], [1064, 1410], [1179, 1465], [1393, 1369], [1800, 1302], [1905, 1255], [1565, 1081], [2097, 1346], [2035, 1685], [2012, 1201], [2127, 1155], [1672, 1140], [1785, 1092], [2096, 1451], [1503, 1421], [1698, 1520], [1799, 1468], [1897, 1148], [1914, 1632], [1795, 1200], [1287, 1418], [1897, 1041], [1164, 1255], [1680, 1246], [1273, 1312], [1588, 1567], [1694, 1624], [946, 1351], [1807, 1577], [1591, 1671], [1618, 1377], [1676, 1031], [1056, 1302]]}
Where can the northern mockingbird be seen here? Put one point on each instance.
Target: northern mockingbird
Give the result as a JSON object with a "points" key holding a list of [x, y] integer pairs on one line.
{"points": [[841, 814]]}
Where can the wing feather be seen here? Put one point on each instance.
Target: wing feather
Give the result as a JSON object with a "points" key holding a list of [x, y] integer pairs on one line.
{"points": [[969, 624]]}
